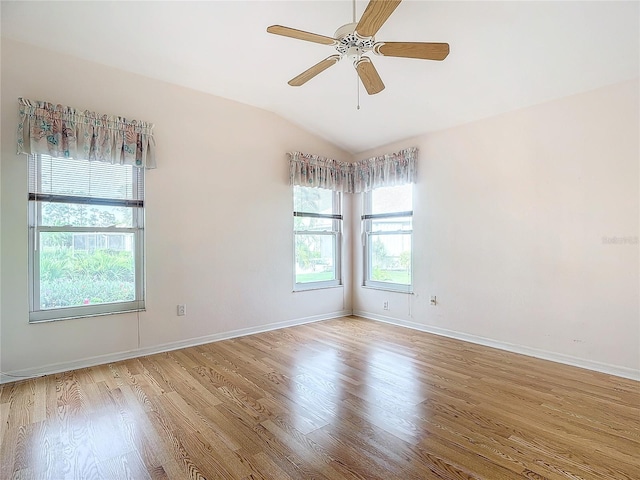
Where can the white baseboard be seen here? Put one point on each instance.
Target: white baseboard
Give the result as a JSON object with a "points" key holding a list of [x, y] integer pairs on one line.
{"points": [[625, 372], [618, 371], [12, 376]]}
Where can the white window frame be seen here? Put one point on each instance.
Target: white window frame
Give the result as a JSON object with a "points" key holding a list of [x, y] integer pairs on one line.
{"points": [[36, 314], [336, 232], [367, 226]]}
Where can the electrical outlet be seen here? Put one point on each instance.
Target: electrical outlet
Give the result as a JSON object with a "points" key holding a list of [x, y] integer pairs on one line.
{"points": [[182, 310], [433, 300], [385, 305]]}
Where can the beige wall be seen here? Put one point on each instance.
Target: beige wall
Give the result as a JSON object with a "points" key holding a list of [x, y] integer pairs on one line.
{"points": [[218, 219], [510, 216]]}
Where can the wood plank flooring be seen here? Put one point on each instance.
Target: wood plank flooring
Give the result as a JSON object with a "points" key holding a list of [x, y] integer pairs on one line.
{"points": [[341, 399]]}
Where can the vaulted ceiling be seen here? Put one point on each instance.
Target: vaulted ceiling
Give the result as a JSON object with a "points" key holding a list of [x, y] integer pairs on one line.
{"points": [[504, 56]]}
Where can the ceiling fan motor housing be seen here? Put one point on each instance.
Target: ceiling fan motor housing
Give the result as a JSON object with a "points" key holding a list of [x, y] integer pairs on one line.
{"points": [[350, 43]]}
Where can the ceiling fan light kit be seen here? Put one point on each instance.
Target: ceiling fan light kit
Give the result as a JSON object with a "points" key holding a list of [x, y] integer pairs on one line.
{"points": [[355, 40]]}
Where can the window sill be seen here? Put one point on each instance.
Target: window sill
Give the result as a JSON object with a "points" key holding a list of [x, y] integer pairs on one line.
{"points": [[35, 317], [408, 290], [316, 287]]}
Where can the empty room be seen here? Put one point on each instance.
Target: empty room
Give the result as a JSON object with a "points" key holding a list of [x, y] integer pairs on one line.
{"points": [[350, 239]]}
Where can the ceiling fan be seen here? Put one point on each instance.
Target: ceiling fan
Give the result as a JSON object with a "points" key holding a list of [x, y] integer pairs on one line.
{"points": [[354, 40]]}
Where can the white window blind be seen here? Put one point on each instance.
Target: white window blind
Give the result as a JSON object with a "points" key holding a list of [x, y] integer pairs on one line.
{"points": [[55, 179]]}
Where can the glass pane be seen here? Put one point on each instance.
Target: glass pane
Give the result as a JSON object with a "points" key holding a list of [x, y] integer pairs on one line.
{"points": [[86, 268], [81, 215], [395, 224], [313, 224], [392, 199], [315, 258], [390, 258], [312, 200]]}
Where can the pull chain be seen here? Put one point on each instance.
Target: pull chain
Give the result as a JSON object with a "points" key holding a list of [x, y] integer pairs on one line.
{"points": [[358, 87]]}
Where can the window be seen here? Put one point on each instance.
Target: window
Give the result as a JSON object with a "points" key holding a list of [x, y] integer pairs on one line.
{"points": [[86, 238], [317, 235], [387, 223]]}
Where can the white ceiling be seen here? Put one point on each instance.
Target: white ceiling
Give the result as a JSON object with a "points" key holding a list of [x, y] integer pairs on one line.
{"points": [[504, 56]]}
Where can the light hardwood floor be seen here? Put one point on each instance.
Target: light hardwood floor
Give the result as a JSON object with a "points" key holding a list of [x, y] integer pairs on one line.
{"points": [[345, 398]]}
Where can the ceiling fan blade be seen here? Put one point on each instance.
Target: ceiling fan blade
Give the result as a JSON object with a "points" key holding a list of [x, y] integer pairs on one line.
{"points": [[423, 50], [369, 76], [375, 15], [308, 74], [301, 35]]}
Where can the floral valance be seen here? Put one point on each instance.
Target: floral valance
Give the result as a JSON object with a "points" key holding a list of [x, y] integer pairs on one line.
{"points": [[59, 131], [319, 172], [396, 168]]}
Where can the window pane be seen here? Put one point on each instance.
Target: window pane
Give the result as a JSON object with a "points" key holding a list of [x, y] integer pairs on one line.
{"points": [[315, 258], [82, 215], [312, 200], [395, 224], [86, 268], [313, 224], [392, 199], [390, 258]]}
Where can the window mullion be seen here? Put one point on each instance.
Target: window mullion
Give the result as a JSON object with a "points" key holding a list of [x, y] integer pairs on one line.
{"points": [[80, 200], [391, 232], [315, 232], [139, 273], [328, 216], [72, 229], [34, 269], [381, 216]]}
